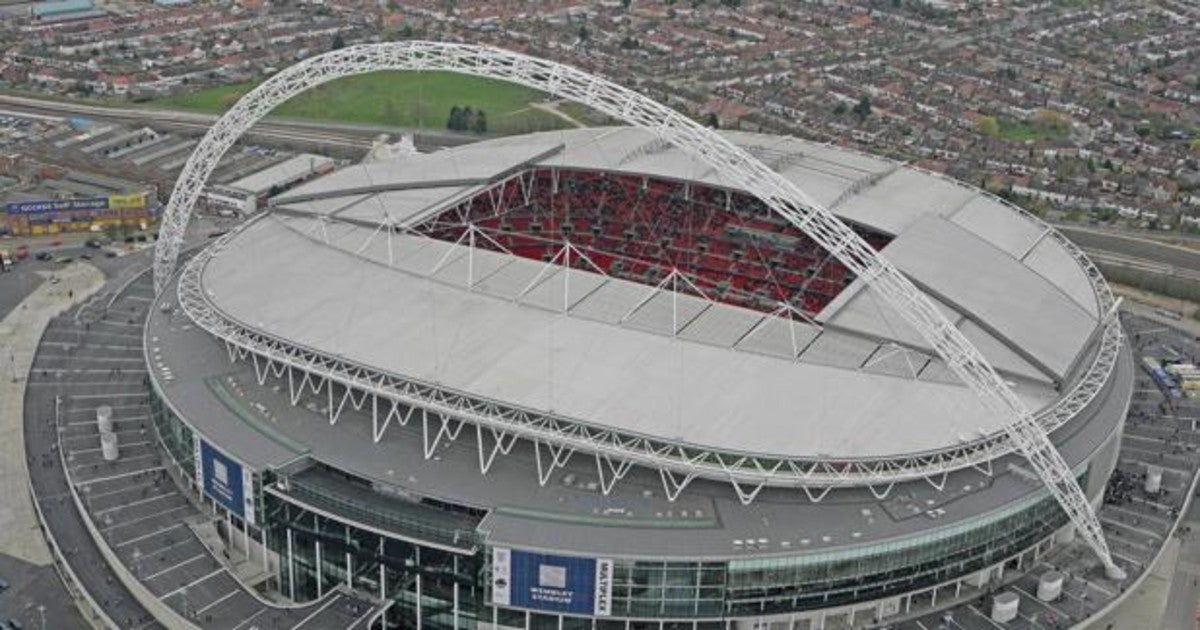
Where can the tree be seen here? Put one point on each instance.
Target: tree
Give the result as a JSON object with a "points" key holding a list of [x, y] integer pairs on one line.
{"points": [[626, 4], [338, 42], [480, 125], [1051, 123], [839, 109], [583, 33], [712, 120], [468, 119], [988, 127], [863, 108], [457, 120]]}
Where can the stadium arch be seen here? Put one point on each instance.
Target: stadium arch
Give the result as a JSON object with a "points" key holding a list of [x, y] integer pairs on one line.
{"points": [[742, 169]]}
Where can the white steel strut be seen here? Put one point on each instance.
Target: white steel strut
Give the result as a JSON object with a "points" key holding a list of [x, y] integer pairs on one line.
{"points": [[734, 163]]}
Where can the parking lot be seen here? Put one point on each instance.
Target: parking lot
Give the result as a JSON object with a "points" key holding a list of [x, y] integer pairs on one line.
{"points": [[92, 357]]}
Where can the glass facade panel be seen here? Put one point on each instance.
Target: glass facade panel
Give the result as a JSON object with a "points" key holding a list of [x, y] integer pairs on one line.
{"points": [[641, 589]]}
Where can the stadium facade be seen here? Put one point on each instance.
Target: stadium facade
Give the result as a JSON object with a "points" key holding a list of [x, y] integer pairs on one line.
{"points": [[583, 378]]}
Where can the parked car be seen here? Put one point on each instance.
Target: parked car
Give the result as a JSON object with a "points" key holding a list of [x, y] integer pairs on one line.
{"points": [[44, 255]]}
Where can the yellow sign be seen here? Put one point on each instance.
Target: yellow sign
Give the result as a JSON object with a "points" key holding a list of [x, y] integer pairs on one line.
{"points": [[134, 201]]}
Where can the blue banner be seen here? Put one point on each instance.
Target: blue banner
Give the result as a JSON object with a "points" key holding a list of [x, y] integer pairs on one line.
{"points": [[564, 584], [56, 205], [225, 481]]}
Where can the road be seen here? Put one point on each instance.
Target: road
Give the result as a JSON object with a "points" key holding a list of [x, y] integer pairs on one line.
{"points": [[343, 135]]}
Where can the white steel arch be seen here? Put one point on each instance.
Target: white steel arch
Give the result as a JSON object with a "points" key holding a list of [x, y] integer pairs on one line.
{"points": [[734, 163]]}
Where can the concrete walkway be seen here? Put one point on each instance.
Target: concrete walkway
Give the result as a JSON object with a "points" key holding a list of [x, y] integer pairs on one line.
{"points": [[1144, 607], [20, 332]]}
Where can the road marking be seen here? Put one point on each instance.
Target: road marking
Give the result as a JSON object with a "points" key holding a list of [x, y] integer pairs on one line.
{"points": [[164, 549], [82, 451], [135, 521], [187, 586], [101, 495], [76, 466], [1154, 517], [150, 535], [139, 471], [113, 322], [92, 423], [56, 383], [96, 436], [224, 597], [1126, 526], [370, 610], [1127, 559], [316, 612], [173, 567], [93, 396], [972, 608], [250, 618], [78, 359], [1041, 603], [114, 408], [136, 503]]}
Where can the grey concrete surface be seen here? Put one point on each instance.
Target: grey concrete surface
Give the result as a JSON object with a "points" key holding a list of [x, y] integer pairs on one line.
{"points": [[36, 598], [89, 357]]}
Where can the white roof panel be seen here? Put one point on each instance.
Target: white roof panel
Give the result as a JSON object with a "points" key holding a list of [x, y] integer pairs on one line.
{"points": [[900, 199], [579, 368], [991, 221], [283, 173], [1020, 306]]}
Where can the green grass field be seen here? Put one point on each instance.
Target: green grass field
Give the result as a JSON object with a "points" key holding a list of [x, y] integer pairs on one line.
{"points": [[1023, 130], [404, 99]]}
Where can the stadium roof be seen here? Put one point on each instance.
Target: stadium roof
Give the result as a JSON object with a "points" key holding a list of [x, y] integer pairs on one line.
{"points": [[732, 378], [260, 427]]}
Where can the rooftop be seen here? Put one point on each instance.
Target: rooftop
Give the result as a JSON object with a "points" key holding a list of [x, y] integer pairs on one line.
{"points": [[283, 173], [673, 366], [258, 425]]}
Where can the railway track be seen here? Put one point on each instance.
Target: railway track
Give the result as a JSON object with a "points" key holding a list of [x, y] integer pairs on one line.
{"points": [[192, 122]]}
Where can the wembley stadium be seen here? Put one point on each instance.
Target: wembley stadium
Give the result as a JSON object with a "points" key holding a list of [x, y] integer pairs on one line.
{"points": [[596, 378]]}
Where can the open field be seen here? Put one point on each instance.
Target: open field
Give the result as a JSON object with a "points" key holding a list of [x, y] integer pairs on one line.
{"points": [[1023, 130], [402, 99]]}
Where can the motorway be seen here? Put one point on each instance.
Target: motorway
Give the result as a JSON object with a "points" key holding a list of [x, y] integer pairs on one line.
{"points": [[324, 133]]}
